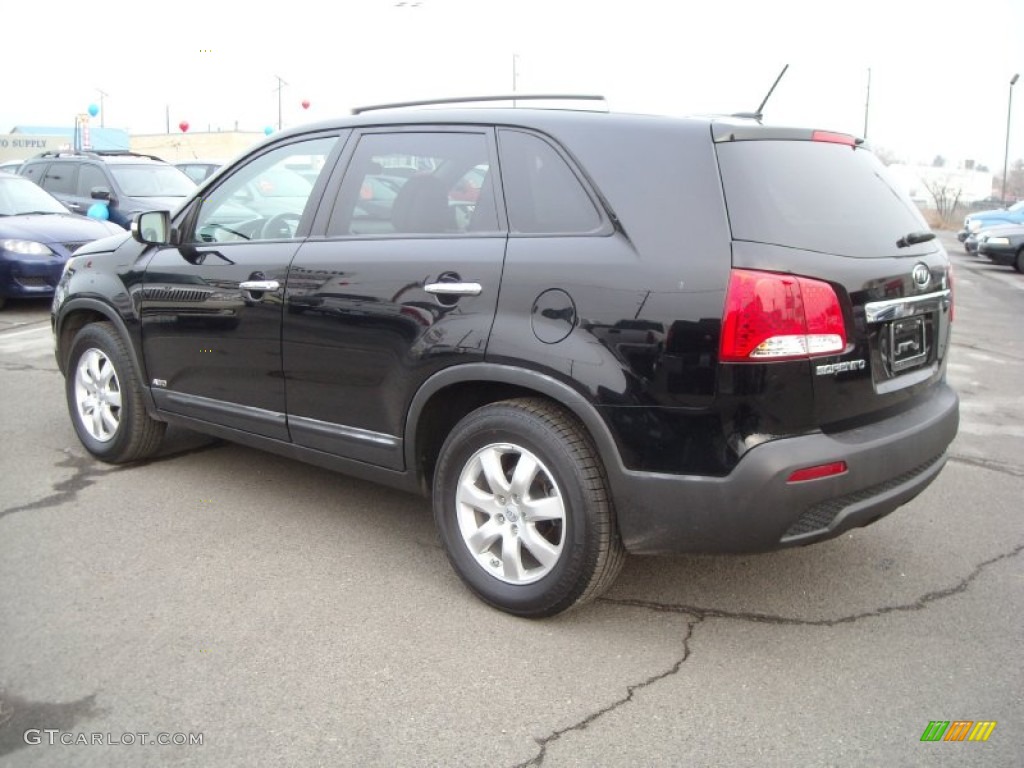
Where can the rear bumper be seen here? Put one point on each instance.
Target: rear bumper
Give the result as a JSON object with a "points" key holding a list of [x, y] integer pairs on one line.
{"points": [[755, 509]]}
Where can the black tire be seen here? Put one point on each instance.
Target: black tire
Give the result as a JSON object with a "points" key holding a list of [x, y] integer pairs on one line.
{"points": [[560, 470], [104, 397], [1019, 263]]}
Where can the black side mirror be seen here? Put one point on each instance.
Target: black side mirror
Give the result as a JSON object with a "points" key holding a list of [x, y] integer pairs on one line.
{"points": [[100, 193]]}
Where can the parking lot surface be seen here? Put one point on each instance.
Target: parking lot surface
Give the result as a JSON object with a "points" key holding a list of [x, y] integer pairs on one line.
{"points": [[284, 615]]}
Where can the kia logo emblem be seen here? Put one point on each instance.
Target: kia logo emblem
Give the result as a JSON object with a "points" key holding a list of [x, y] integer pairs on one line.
{"points": [[921, 275]]}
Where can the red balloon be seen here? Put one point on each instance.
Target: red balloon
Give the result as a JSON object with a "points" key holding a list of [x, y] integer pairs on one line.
{"points": [[305, 103], [183, 125]]}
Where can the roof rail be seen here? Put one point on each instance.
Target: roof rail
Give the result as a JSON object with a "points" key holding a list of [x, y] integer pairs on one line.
{"points": [[94, 153], [515, 97]]}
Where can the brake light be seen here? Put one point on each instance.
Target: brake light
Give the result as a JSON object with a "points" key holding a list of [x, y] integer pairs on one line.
{"points": [[815, 473], [834, 138], [769, 316]]}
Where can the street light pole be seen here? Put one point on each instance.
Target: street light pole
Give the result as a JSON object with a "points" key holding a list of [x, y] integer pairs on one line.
{"points": [[867, 104], [1006, 152], [280, 86]]}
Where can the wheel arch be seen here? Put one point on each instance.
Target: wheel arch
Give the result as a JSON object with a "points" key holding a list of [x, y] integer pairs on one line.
{"points": [[450, 394], [78, 313]]}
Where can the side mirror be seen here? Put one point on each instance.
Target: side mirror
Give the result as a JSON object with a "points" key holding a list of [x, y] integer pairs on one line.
{"points": [[152, 228], [100, 193]]}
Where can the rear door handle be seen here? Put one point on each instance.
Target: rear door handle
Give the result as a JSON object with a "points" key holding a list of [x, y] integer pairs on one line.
{"points": [[260, 285], [454, 289]]}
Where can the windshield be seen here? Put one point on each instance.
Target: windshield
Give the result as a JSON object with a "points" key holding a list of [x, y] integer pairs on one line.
{"points": [[19, 196], [152, 181], [816, 196], [1017, 206]]}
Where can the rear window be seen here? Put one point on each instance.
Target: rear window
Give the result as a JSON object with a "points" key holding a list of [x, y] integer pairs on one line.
{"points": [[816, 196]]}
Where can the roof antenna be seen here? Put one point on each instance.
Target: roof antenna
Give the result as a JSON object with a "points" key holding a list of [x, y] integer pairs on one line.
{"points": [[759, 114]]}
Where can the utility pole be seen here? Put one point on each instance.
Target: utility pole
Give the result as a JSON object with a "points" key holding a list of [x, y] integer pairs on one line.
{"points": [[515, 75], [1006, 152], [167, 117], [103, 112], [867, 104], [280, 86]]}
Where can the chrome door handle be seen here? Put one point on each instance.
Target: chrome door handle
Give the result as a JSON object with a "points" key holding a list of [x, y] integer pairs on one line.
{"points": [[260, 285], [454, 289]]}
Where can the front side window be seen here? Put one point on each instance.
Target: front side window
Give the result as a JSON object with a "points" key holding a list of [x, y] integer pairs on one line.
{"points": [[417, 184], [542, 193], [90, 177], [264, 199]]}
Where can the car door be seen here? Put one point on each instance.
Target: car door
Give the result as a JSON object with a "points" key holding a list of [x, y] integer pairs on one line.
{"points": [[211, 306], [404, 283], [90, 177]]}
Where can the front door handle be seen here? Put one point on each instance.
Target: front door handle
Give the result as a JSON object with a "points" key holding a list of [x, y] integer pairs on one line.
{"points": [[260, 285], [454, 289]]}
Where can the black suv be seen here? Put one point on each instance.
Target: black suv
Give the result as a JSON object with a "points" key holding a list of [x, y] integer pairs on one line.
{"points": [[127, 182], [582, 333]]}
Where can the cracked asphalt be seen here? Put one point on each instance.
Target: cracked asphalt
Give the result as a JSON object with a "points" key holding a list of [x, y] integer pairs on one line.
{"points": [[297, 617]]}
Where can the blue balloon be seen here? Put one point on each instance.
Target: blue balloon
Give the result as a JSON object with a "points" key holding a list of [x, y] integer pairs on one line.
{"points": [[93, 110], [98, 211], [268, 130]]}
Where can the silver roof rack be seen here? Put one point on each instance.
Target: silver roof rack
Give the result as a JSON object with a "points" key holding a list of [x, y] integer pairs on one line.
{"points": [[515, 97]]}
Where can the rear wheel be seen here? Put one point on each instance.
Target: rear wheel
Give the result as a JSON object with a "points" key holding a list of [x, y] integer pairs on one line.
{"points": [[523, 509], [1019, 263], [104, 397]]}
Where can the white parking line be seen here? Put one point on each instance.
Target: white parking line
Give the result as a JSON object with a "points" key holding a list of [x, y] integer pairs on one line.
{"points": [[37, 329]]}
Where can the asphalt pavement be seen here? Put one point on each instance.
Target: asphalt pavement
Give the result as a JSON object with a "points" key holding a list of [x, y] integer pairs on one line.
{"points": [[285, 615]]}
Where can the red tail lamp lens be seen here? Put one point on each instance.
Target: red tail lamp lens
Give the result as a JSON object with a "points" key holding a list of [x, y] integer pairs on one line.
{"points": [[769, 316]]}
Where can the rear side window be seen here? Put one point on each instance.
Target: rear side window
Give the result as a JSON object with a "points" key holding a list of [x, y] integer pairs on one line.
{"points": [[542, 193], [814, 195], [34, 171], [413, 183], [60, 178]]}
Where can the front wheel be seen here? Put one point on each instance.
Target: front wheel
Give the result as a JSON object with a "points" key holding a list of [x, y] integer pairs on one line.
{"points": [[105, 400], [1019, 263], [523, 509]]}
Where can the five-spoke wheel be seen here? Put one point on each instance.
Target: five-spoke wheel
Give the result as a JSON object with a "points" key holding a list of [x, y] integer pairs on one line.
{"points": [[523, 510], [105, 397]]}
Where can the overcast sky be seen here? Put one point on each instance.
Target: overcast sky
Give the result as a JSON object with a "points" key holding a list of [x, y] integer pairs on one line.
{"points": [[940, 70]]}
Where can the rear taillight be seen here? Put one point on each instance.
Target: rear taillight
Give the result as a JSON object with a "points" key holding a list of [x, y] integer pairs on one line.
{"points": [[949, 282], [769, 316]]}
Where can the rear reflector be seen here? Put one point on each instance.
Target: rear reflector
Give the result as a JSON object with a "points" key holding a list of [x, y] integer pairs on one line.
{"points": [[769, 316], [815, 473]]}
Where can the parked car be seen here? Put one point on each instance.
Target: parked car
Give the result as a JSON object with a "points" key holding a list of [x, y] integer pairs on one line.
{"points": [[199, 170], [974, 222], [11, 166], [125, 181], [643, 334], [1004, 245], [37, 235]]}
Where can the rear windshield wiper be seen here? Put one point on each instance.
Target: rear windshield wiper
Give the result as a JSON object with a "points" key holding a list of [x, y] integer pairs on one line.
{"points": [[914, 238]]}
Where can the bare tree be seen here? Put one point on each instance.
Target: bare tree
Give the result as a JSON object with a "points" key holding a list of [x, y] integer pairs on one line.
{"points": [[1014, 182], [946, 194], [886, 155]]}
